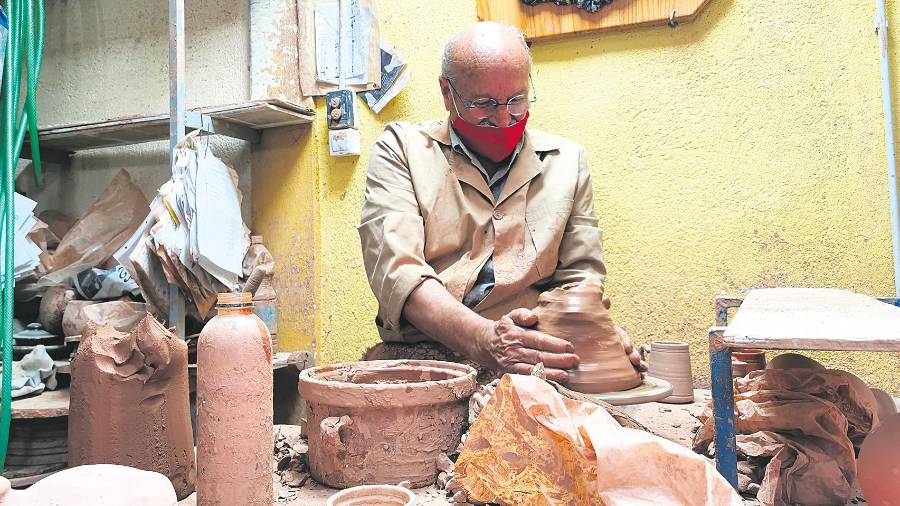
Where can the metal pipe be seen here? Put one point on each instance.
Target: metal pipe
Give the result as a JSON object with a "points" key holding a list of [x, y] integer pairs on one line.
{"points": [[881, 30], [176, 129]]}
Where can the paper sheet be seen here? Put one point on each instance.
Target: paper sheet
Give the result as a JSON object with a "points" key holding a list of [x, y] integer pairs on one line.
{"points": [[221, 241], [26, 254], [395, 75], [342, 53]]}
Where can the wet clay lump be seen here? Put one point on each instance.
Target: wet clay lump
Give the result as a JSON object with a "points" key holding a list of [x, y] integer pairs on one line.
{"points": [[575, 312], [129, 402]]}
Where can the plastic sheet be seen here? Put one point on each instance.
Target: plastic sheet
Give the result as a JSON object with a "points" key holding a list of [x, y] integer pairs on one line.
{"points": [[532, 446]]}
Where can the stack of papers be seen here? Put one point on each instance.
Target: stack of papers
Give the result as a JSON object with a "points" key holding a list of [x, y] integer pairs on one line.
{"points": [[26, 253], [194, 236], [395, 75]]}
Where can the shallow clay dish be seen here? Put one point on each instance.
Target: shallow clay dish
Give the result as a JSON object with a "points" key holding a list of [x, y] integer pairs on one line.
{"points": [[373, 495]]}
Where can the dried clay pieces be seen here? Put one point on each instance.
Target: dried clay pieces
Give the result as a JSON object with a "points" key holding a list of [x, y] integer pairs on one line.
{"points": [[129, 402], [576, 313]]}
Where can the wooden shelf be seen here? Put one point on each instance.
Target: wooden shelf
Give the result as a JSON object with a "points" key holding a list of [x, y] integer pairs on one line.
{"points": [[243, 121]]}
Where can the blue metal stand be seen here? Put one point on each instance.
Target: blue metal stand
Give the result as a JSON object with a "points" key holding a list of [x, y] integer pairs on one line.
{"points": [[723, 406]]}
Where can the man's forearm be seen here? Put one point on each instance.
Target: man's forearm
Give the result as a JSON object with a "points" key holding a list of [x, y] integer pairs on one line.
{"points": [[432, 310]]}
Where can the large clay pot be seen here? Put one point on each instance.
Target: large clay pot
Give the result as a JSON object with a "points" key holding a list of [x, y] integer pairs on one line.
{"points": [[371, 495], [576, 313], [793, 361], [671, 361], [384, 421], [886, 405], [878, 465]]}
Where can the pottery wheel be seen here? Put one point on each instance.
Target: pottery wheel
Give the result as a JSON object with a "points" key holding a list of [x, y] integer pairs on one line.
{"points": [[650, 390]]}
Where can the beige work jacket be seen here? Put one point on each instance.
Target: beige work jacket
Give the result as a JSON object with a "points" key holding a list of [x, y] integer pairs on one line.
{"points": [[429, 213]]}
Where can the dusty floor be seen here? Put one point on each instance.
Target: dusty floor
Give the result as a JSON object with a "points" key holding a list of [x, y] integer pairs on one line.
{"points": [[672, 421]]}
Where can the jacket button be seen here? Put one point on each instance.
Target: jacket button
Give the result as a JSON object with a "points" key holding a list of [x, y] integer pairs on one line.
{"points": [[498, 215]]}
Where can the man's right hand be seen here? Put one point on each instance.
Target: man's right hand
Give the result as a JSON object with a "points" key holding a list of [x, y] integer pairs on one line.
{"points": [[511, 346]]}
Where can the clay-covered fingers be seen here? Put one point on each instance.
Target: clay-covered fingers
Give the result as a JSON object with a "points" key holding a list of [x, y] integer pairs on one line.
{"points": [[523, 317], [545, 342], [557, 375], [634, 355]]}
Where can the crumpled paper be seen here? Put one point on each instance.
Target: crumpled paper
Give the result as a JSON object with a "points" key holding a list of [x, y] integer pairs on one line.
{"points": [[33, 373], [532, 446], [801, 424]]}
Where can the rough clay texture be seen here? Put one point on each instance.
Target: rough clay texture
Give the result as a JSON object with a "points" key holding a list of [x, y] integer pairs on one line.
{"points": [[576, 313], [129, 402], [743, 149], [234, 411], [384, 421]]}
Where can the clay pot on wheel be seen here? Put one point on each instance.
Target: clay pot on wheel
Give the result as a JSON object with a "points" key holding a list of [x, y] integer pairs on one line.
{"points": [[575, 312], [671, 361], [384, 421], [878, 465]]}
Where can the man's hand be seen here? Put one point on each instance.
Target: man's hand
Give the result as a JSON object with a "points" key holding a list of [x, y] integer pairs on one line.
{"points": [[633, 354], [513, 347]]}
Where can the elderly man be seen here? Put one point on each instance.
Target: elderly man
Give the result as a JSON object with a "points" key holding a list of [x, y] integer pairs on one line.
{"points": [[466, 221]]}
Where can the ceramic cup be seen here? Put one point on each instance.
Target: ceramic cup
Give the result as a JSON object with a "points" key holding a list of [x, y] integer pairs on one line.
{"points": [[671, 361]]}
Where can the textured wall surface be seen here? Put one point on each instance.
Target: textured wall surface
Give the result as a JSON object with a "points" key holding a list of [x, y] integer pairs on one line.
{"points": [[743, 150], [109, 58]]}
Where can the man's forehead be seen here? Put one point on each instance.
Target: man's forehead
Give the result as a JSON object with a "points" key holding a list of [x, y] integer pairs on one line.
{"points": [[486, 79]]}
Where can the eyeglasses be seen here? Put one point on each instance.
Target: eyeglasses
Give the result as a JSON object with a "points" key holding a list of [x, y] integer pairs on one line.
{"points": [[485, 107]]}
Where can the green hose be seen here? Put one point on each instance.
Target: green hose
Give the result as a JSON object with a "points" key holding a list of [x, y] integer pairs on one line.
{"points": [[26, 35]]}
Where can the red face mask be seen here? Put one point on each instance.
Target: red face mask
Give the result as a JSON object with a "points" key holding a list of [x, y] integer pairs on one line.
{"points": [[496, 143]]}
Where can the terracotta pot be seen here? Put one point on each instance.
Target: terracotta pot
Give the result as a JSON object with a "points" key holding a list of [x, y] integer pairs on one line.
{"points": [[576, 313], [755, 359], [793, 361], [671, 361], [384, 421], [373, 495], [738, 368], [878, 465]]}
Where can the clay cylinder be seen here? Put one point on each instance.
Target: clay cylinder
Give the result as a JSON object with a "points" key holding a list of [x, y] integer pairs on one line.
{"points": [[576, 313], [384, 421], [129, 402], [671, 361], [234, 407]]}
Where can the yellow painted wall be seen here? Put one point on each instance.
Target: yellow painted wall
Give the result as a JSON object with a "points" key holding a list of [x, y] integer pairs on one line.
{"points": [[742, 150]]}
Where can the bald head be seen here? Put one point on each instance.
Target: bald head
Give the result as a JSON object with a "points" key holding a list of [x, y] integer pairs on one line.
{"points": [[484, 45]]}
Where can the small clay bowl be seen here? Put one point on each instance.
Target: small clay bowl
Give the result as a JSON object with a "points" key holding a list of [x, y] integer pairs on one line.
{"points": [[373, 495]]}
